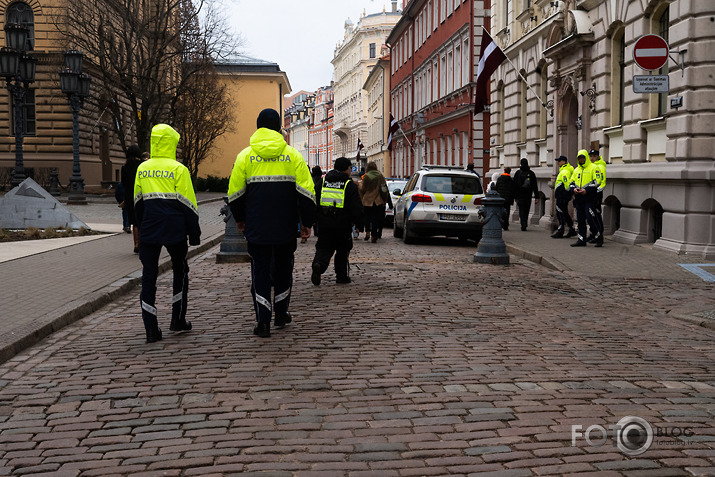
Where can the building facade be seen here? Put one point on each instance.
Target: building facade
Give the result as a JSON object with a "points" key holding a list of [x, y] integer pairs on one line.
{"points": [[320, 138], [253, 85], [298, 115], [577, 55], [432, 63], [377, 89], [352, 61]]}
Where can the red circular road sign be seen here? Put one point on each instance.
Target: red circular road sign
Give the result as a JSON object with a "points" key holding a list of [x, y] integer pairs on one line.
{"points": [[650, 52]]}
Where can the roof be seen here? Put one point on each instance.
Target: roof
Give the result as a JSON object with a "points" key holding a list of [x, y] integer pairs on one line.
{"points": [[246, 63]]}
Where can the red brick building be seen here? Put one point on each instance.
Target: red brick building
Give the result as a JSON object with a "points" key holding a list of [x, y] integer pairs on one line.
{"points": [[433, 63], [320, 131]]}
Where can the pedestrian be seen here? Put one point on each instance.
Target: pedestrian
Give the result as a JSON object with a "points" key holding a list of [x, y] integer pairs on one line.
{"points": [[470, 168], [339, 208], [374, 196], [562, 194], [600, 164], [584, 185], [166, 212], [128, 176], [270, 191], [525, 184], [493, 184], [120, 196], [505, 187], [317, 174]]}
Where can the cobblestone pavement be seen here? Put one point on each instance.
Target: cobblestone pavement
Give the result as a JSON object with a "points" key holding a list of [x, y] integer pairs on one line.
{"points": [[427, 364]]}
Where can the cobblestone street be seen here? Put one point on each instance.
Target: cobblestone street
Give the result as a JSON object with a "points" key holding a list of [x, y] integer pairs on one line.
{"points": [[427, 364]]}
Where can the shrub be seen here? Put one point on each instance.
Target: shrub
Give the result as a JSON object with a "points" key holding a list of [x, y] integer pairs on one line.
{"points": [[211, 184]]}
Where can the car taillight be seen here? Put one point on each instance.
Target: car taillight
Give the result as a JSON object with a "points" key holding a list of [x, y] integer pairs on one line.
{"points": [[478, 201], [421, 198]]}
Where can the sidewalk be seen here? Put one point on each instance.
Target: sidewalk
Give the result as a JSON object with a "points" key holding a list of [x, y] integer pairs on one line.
{"points": [[51, 283], [52, 287]]}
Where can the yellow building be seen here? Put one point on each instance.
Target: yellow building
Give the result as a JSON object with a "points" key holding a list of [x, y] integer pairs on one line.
{"points": [[253, 85]]}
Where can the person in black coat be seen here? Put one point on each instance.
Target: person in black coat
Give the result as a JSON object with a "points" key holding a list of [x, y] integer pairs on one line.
{"points": [[128, 176], [505, 188], [524, 187], [339, 207]]}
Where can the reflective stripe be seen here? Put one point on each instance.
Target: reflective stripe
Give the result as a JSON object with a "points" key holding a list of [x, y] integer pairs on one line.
{"points": [[236, 195], [282, 296], [439, 197], [176, 297], [467, 198], [305, 192], [252, 179], [148, 308], [264, 302], [168, 196]]}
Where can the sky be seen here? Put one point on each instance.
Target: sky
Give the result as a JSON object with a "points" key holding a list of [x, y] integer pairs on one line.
{"points": [[299, 35]]}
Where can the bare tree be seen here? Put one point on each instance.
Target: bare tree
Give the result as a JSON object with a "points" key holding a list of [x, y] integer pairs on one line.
{"points": [[137, 50]]}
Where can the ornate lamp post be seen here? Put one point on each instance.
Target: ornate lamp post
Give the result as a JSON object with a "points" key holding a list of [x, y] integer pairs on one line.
{"points": [[18, 69], [75, 85]]}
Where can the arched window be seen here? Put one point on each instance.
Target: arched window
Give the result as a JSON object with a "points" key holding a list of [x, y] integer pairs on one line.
{"points": [[21, 12]]}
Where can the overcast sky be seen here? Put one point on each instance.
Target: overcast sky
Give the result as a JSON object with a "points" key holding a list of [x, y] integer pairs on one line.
{"points": [[299, 35]]}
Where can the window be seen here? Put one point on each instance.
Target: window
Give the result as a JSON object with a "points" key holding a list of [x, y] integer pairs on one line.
{"points": [[522, 108], [465, 62], [372, 50], [28, 113], [452, 184], [663, 27], [458, 66], [21, 12], [442, 76], [450, 72], [618, 55]]}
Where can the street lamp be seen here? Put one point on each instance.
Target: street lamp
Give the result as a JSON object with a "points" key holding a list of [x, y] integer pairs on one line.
{"points": [[18, 69], [75, 85]]}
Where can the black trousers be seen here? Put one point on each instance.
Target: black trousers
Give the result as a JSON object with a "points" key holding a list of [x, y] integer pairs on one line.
{"points": [[524, 208], [374, 217], [149, 256], [562, 210], [585, 213], [598, 216], [507, 216], [271, 268], [334, 242]]}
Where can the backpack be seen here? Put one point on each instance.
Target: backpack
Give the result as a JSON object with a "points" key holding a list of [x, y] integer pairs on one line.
{"points": [[526, 181]]}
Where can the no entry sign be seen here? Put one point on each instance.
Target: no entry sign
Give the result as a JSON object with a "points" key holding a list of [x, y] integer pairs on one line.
{"points": [[650, 52]]}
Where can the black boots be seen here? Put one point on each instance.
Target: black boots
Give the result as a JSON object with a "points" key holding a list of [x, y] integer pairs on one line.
{"points": [[572, 233], [177, 325], [153, 336], [558, 234], [262, 330], [315, 276], [282, 319], [580, 243]]}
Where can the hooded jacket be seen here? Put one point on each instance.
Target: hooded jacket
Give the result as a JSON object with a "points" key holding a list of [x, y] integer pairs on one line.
{"points": [[340, 220], [524, 193], [563, 179], [164, 200], [271, 189], [601, 169], [584, 176]]}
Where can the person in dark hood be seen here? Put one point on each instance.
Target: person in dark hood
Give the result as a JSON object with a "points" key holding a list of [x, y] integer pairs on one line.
{"points": [[505, 187], [525, 186], [128, 176], [339, 208]]}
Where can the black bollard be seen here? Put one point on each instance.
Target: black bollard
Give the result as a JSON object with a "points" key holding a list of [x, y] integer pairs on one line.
{"points": [[491, 248], [234, 248], [54, 181]]}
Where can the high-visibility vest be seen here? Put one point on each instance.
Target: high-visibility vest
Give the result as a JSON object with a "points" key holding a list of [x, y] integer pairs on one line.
{"points": [[332, 196]]}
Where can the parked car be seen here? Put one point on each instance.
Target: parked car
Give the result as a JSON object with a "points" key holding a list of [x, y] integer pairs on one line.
{"points": [[440, 200], [395, 187]]}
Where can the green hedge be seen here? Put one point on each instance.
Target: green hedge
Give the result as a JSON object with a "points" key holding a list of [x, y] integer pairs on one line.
{"points": [[211, 184]]}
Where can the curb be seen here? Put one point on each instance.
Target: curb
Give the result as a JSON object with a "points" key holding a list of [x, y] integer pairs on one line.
{"points": [[549, 263], [75, 310]]}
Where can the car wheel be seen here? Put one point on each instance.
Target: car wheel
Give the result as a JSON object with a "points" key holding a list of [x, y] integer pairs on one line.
{"points": [[478, 235], [396, 231], [408, 236]]}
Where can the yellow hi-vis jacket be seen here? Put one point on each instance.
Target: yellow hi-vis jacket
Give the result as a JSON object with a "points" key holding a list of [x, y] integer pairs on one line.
{"points": [[563, 179], [271, 190], [333, 196], [164, 199], [584, 177], [601, 166]]}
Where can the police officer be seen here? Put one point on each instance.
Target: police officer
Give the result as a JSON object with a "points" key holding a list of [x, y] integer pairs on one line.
{"points": [[339, 208], [584, 183], [600, 164], [270, 191], [562, 194], [166, 212]]}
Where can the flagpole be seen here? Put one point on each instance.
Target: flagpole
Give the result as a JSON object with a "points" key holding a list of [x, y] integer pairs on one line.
{"points": [[518, 72]]}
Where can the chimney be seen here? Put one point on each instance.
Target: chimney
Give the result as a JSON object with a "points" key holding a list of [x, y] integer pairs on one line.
{"points": [[394, 6]]}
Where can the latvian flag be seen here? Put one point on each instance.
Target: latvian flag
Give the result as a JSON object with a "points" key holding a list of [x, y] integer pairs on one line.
{"points": [[394, 127], [490, 57], [360, 146]]}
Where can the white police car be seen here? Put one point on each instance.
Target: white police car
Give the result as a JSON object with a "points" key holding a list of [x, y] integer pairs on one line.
{"points": [[440, 200], [394, 187]]}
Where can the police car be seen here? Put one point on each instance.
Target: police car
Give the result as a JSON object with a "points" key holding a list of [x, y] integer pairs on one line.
{"points": [[440, 200], [394, 187]]}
